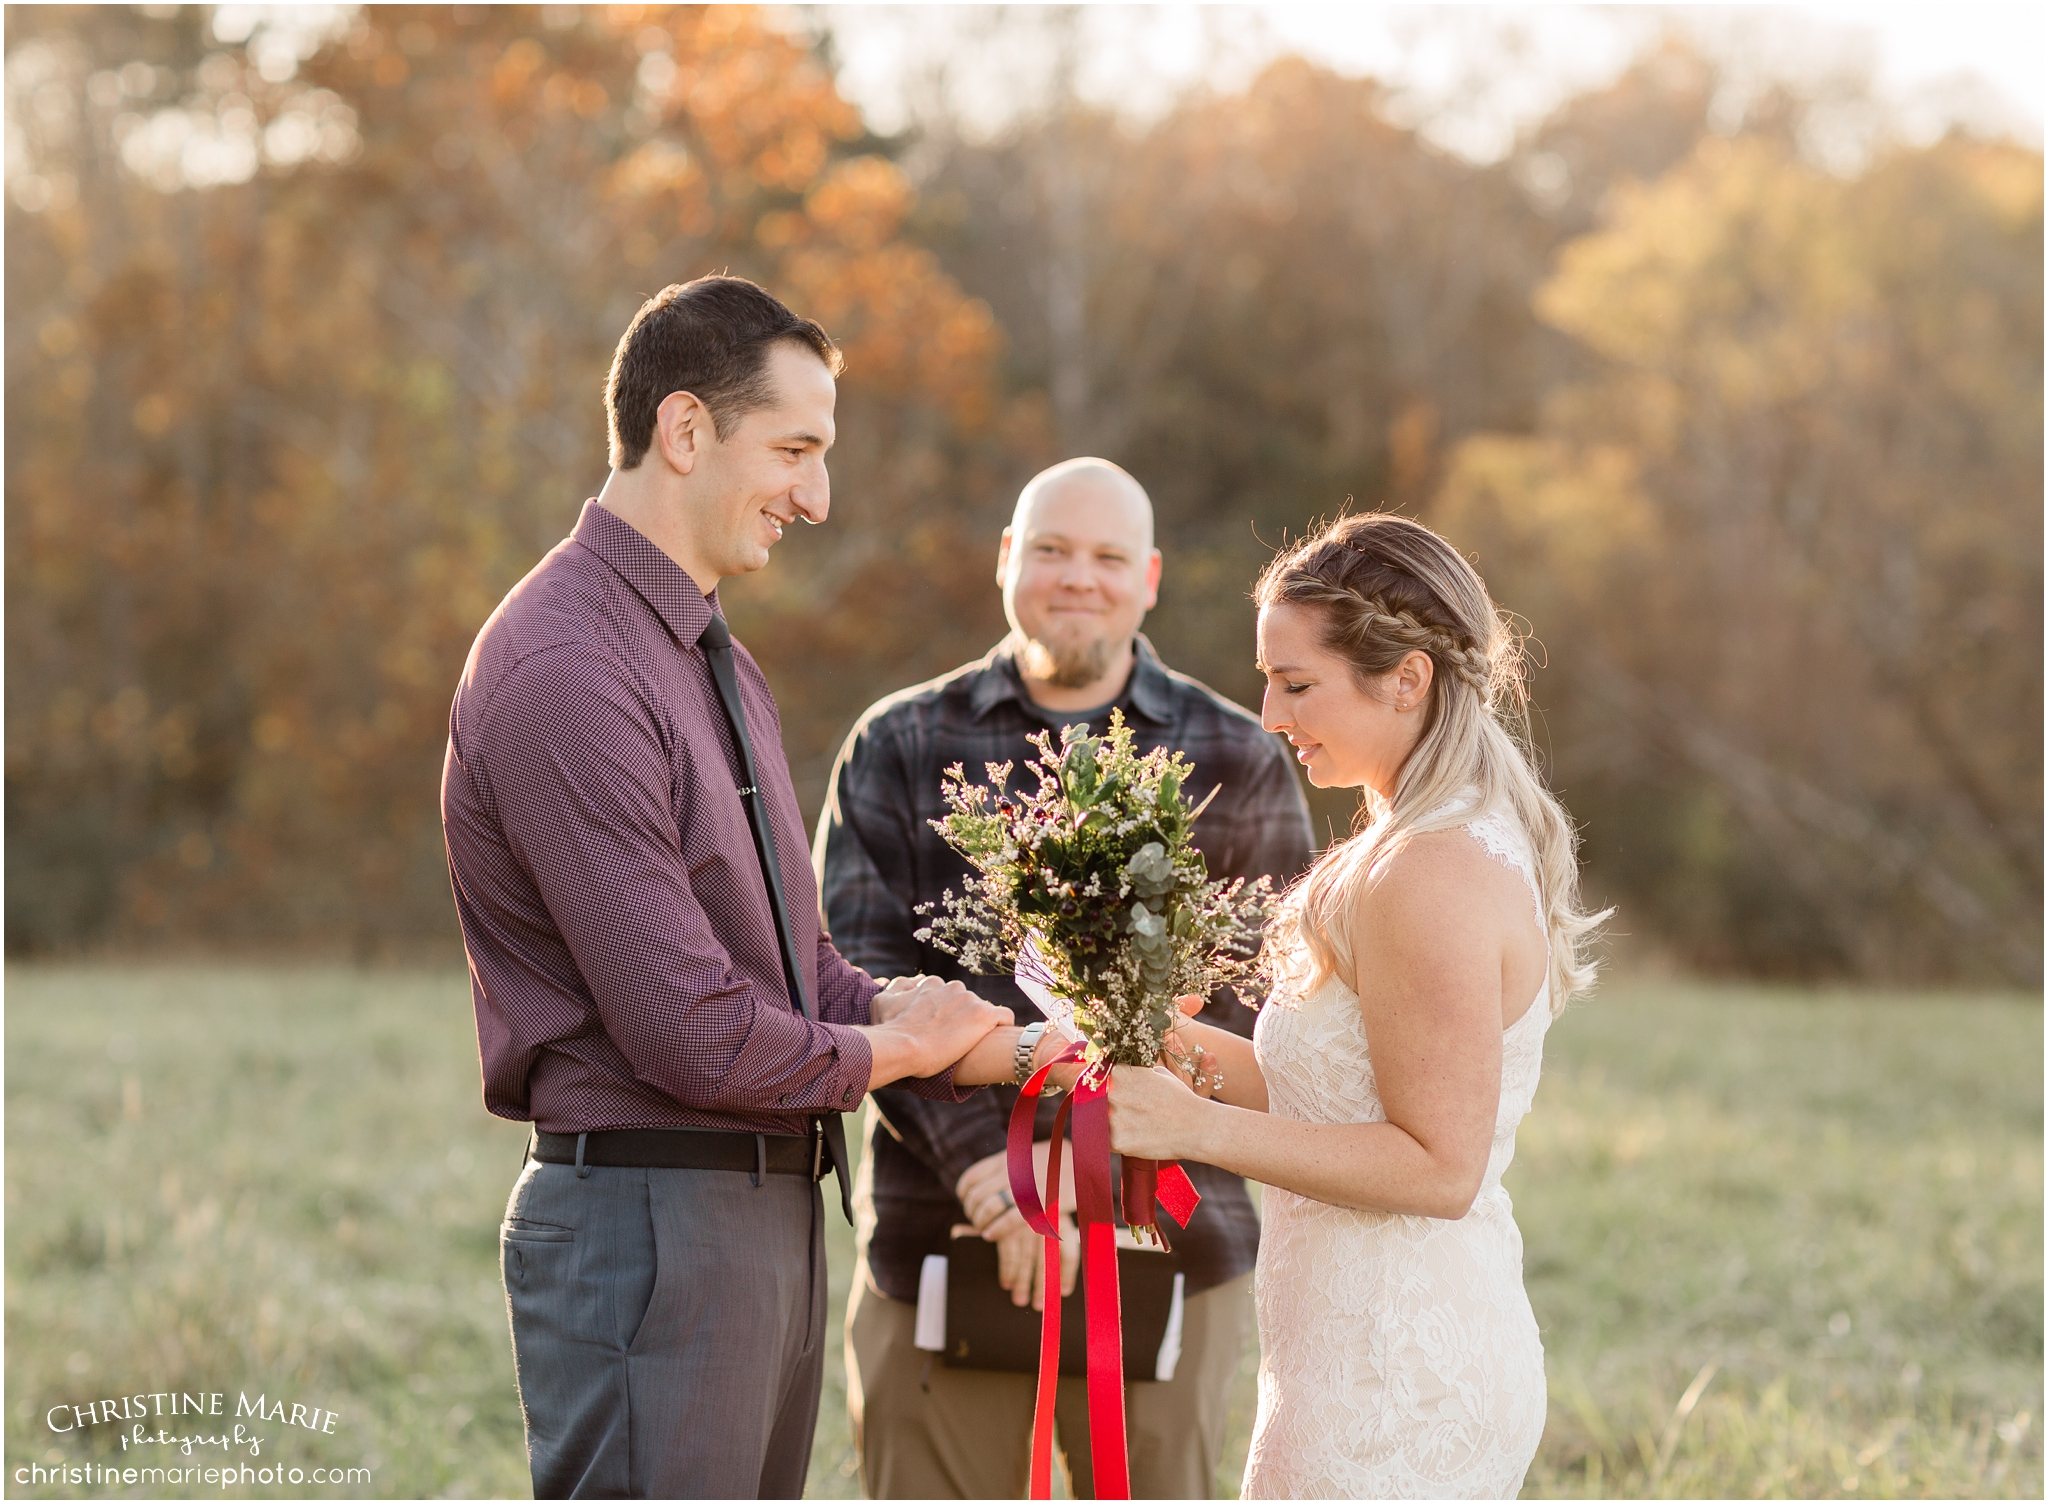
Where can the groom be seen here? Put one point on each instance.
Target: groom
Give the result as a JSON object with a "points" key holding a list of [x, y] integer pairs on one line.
{"points": [[653, 988]]}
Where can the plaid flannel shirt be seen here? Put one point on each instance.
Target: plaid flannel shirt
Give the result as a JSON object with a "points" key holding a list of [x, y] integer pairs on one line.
{"points": [[878, 859]]}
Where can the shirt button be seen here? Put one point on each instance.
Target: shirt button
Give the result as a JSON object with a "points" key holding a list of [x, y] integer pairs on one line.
{"points": [[847, 1096], [783, 1100]]}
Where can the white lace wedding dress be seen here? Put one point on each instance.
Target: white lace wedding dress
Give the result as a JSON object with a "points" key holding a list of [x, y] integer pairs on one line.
{"points": [[1399, 1357]]}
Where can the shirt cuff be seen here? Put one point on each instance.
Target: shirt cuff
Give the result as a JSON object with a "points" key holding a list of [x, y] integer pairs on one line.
{"points": [[853, 1061], [939, 1088]]}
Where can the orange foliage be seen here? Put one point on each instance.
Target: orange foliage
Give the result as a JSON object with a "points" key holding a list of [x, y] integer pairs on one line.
{"points": [[326, 417]]}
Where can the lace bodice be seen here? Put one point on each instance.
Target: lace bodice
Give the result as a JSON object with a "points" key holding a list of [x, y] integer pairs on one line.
{"points": [[1325, 1072], [1400, 1357]]}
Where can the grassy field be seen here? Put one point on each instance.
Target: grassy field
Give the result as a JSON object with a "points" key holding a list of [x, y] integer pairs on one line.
{"points": [[1779, 1243]]}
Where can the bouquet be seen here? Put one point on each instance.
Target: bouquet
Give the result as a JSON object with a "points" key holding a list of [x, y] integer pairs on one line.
{"points": [[1091, 887], [1093, 878]]}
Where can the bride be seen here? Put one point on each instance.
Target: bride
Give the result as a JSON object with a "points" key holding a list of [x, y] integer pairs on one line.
{"points": [[1417, 967]]}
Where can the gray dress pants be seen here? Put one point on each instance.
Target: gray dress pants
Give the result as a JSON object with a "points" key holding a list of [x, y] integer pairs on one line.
{"points": [[668, 1330]]}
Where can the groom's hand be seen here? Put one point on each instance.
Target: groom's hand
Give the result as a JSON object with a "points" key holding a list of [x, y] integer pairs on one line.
{"points": [[924, 1025], [895, 994]]}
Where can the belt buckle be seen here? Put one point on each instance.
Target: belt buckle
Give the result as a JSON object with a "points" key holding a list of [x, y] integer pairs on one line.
{"points": [[817, 1151]]}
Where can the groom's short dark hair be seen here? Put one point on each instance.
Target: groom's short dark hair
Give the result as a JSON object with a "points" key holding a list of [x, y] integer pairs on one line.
{"points": [[710, 338]]}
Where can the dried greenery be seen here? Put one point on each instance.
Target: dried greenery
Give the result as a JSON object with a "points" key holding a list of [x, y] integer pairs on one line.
{"points": [[1096, 873]]}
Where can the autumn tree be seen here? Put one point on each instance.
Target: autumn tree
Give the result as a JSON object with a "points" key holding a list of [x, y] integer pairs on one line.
{"points": [[307, 338], [1754, 441], [1266, 304], [1785, 551], [290, 408]]}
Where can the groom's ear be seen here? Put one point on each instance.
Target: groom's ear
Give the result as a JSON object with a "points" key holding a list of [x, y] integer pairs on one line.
{"points": [[1003, 556], [682, 430]]}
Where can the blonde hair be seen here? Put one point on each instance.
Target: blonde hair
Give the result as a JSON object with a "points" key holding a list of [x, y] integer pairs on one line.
{"points": [[1385, 586]]}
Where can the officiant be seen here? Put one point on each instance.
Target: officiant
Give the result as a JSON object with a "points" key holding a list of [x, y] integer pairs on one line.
{"points": [[1078, 571]]}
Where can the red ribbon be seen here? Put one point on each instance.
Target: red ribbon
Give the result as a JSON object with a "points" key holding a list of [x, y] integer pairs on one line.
{"points": [[1150, 1184], [1089, 1108]]}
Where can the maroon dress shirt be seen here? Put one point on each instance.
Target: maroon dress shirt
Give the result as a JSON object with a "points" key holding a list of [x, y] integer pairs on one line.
{"points": [[622, 951]]}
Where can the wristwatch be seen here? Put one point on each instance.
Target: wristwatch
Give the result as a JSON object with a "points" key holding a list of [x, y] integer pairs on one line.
{"points": [[1027, 1046]]}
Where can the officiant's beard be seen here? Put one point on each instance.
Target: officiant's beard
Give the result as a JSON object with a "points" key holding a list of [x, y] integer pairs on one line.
{"points": [[1069, 665]]}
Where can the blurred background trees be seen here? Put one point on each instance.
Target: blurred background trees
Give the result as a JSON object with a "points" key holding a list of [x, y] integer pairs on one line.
{"points": [[307, 334], [276, 447]]}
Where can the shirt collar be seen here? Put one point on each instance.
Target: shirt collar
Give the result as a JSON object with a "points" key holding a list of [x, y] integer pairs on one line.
{"points": [[657, 578], [996, 679]]}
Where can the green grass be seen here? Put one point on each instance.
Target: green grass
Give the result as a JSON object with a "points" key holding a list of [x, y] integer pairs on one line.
{"points": [[281, 1181], [1826, 1208]]}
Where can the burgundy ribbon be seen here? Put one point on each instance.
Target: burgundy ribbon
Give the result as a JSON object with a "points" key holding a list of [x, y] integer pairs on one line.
{"points": [[1089, 1108], [1150, 1184]]}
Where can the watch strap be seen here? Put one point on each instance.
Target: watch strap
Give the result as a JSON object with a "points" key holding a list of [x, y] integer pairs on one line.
{"points": [[1027, 1046]]}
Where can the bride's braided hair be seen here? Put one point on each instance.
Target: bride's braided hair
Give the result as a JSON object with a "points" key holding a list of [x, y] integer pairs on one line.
{"points": [[1389, 587], [1385, 587], [1362, 622]]}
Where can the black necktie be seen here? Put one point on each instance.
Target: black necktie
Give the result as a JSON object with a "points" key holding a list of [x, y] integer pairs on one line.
{"points": [[716, 641]]}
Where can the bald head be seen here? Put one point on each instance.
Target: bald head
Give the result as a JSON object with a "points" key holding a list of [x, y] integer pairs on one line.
{"points": [[1078, 572], [1095, 484]]}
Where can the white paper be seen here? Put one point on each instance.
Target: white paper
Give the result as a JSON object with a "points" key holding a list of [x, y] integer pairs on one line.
{"points": [[930, 1332], [1034, 979], [1169, 1345]]}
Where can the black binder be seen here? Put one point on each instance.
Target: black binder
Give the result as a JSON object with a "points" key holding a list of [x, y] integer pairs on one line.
{"points": [[985, 1331]]}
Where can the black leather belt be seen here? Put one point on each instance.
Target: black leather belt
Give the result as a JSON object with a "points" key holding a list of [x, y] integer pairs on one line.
{"points": [[756, 1154]]}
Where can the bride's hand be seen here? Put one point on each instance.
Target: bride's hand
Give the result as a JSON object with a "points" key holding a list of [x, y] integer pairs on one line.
{"points": [[1179, 1053], [1152, 1113], [1192, 1063]]}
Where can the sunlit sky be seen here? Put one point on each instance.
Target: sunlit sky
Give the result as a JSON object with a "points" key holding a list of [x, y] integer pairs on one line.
{"points": [[1470, 76]]}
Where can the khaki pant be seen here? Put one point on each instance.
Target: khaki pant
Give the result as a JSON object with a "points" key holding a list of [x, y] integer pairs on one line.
{"points": [[926, 1431]]}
